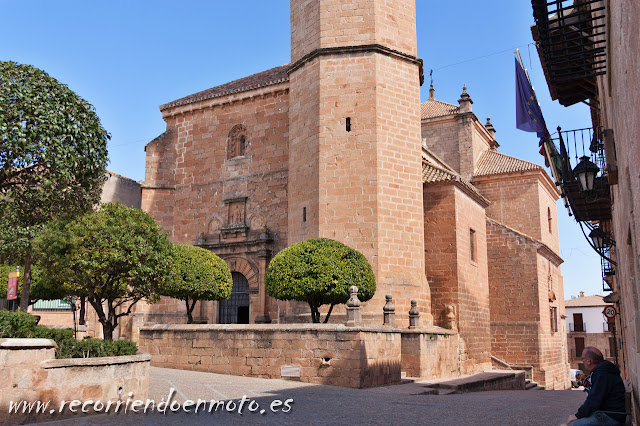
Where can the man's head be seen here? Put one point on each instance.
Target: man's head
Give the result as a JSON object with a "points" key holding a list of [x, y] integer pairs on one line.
{"points": [[591, 357]]}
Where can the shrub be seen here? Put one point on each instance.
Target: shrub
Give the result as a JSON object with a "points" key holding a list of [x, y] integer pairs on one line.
{"points": [[23, 325], [90, 348], [17, 324], [319, 271]]}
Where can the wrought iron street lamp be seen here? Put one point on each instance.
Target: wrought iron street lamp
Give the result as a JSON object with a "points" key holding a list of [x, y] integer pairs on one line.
{"points": [[586, 172], [598, 237]]}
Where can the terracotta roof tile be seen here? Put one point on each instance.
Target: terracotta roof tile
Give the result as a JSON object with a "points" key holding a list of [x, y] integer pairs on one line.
{"points": [[494, 163], [255, 81], [431, 174], [585, 301], [434, 108]]}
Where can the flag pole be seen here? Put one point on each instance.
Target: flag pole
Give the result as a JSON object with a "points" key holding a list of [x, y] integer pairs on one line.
{"points": [[545, 143]]}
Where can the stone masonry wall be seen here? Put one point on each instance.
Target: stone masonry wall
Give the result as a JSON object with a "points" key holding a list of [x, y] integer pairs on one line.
{"points": [[204, 179], [473, 285], [328, 354], [31, 373], [554, 360], [441, 137], [455, 279], [515, 314], [359, 185], [334, 23], [520, 201], [523, 276], [440, 247], [430, 355], [619, 100]]}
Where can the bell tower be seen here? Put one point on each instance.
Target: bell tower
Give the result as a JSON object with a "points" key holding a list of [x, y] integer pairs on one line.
{"points": [[355, 171]]}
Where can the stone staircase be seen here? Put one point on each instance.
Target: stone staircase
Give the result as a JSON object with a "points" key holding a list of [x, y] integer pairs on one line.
{"points": [[531, 385], [486, 381]]}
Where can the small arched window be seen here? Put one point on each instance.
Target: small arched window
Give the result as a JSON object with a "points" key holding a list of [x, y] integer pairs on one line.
{"points": [[236, 141], [549, 219]]}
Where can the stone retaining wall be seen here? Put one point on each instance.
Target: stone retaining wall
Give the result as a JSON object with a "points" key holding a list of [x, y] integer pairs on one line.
{"points": [[31, 373], [430, 355], [358, 357], [330, 354]]}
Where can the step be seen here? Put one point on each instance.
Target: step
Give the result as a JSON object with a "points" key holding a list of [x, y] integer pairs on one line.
{"points": [[488, 380]]}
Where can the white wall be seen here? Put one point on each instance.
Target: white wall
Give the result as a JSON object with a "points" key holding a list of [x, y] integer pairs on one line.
{"points": [[592, 318]]}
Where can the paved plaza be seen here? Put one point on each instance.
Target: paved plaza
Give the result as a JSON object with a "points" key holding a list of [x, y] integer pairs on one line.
{"points": [[329, 405]]}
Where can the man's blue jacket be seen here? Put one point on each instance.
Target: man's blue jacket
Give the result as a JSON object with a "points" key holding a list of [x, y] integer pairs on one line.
{"points": [[606, 394]]}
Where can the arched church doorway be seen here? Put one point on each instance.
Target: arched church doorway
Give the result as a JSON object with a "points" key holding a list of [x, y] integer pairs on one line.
{"points": [[235, 310]]}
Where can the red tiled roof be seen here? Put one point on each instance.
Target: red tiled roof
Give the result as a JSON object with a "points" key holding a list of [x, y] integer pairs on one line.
{"points": [[255, 81], [493, 163], [434, 108], [431, 173]]}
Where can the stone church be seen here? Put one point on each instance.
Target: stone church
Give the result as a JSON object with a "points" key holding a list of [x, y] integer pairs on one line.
{"points": [[337, 144]]}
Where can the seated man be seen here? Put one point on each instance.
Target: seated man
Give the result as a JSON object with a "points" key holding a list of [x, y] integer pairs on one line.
{"points": [[605, 400]]}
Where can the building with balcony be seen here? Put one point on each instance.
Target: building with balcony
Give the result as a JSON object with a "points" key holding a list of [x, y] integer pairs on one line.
{"points": [[589, 54], [587, 326]]}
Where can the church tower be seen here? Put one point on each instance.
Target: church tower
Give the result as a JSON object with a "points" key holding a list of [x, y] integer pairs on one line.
{"points": [[354, 139]]}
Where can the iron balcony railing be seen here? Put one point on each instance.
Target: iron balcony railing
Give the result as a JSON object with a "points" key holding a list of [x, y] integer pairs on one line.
{"points": [[571, 39], [578, 327], [590, 206]]}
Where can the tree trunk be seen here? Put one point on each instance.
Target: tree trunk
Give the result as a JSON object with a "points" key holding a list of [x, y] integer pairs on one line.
{"points": [[107, 325], [26, 281], [315, 314], [81, 320], [107, 330], [189, 311], [326, 318]]}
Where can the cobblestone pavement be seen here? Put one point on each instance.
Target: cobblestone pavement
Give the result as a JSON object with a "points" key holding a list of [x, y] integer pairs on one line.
{"points": [[329, 405]]}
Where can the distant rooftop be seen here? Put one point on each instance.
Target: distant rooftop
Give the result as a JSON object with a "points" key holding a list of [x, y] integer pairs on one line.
{"points": [[255, 81], [585, 301], [494, 163], [434, 108]]}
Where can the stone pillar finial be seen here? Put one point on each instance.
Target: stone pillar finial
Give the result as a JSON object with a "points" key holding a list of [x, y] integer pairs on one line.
{"points": [[354, 315], [414, 315], [353, 299], [389, 312], [492, 132], [431, 89], [450, 317], [465, 100]]}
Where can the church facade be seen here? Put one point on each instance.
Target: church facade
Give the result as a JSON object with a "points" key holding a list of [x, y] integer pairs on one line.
{"points": [[336, 144]]}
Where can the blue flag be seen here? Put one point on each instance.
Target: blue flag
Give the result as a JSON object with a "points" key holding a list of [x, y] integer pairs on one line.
{"points": [[528, 114]]}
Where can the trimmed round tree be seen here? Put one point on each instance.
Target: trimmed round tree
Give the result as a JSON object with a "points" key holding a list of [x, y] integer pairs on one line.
{"points": [[319, 271], [53, 153], [198, 275], [115, 257]]}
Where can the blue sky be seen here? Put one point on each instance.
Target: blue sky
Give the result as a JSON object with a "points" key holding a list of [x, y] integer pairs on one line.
{"points": [[128, 57]]}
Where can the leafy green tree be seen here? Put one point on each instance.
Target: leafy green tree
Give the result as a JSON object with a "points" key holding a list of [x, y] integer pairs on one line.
{"points": [[319, 271], [115, 257], [53, 153], [198, 275]]}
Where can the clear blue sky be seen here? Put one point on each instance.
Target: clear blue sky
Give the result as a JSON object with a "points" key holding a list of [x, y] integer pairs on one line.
{"points": [[128, 57]]}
